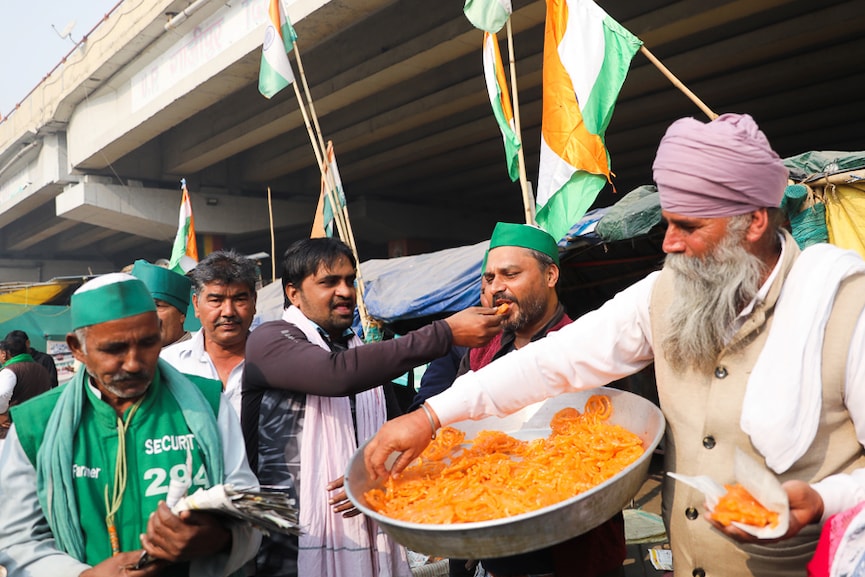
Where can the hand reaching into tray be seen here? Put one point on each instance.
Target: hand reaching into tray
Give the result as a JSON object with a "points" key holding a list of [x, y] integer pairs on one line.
{"points": [[407, 435]]}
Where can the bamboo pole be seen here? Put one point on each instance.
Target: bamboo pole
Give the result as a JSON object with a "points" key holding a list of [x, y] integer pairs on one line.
{"points": [[314, 116], [678, 83], [339, 210], [334, 203], [272, 238], [528, 201], [320, 136], [332, 197]]}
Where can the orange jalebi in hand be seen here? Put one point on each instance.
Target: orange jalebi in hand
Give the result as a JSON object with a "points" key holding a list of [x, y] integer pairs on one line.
{"points": [[740, 506]]}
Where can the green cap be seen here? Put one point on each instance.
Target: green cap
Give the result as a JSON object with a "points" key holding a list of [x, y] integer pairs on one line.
{"points": [[164, 284], [109, 297], [525, 236]]}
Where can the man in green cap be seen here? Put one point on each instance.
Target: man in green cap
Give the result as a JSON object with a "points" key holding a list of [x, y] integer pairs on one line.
{"points": [[170, 292], [84, 482], [520, 274]]}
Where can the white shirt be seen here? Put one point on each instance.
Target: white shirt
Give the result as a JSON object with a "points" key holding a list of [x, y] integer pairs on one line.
{"points": [[8, 380], [609, 343], [190, 357]]}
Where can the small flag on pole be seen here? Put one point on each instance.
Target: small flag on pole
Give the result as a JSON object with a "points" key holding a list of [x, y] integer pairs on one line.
{"points": [[279, 37], [323, 224], [586, 58], [497, 88], [488, 15], [184, 253]]}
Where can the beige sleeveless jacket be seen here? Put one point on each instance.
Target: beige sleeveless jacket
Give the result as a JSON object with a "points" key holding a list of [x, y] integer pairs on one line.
{"points": [[703, 413]]}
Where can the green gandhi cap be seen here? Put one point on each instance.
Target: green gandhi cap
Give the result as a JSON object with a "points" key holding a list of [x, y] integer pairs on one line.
{"points": [[164, 284], [109, 297], [525, 236]]}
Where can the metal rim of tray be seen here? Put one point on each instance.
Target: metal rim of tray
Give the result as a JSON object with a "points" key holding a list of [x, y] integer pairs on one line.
{"points": [[535, 529]]}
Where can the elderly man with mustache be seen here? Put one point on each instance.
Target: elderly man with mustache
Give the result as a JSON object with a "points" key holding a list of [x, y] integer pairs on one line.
{"points": [[757, 347], [86, 467], [224, 301]]}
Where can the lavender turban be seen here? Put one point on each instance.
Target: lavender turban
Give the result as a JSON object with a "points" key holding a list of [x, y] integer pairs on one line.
{"points": [[722, 168]]}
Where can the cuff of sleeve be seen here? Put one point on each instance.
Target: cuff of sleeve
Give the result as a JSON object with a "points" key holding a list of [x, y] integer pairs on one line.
{"points": [[449, 405], [839, 492], [447, 331]]}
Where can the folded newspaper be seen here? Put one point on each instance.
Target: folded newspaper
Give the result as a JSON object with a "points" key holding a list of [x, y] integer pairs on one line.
{"points": [[268, 508]]}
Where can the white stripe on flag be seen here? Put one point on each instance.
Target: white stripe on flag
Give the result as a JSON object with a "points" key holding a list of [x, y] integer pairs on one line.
{"points": [[582, 47]]}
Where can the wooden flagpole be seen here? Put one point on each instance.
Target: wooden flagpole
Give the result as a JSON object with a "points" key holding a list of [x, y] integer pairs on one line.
{"points": [[528, 201], [333, 198], [314, 116], [334, 203], [678, 83], [331, 184], [272, 238]]}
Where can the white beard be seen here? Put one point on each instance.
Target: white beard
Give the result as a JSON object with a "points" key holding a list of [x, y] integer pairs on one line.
{"points": [[709, 294]]}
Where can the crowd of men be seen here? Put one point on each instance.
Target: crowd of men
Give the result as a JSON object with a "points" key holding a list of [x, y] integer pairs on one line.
{"points": [[756, 345]]}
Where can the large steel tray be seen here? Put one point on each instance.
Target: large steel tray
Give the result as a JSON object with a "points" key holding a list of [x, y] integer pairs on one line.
{"points": [[537, 529]]}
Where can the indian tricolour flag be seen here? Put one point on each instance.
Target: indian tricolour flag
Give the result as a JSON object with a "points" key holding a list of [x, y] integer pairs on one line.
{"points": [[324, 216], [488, 15], [586, 59], [279, 37], [497, 88], [184, 253]]}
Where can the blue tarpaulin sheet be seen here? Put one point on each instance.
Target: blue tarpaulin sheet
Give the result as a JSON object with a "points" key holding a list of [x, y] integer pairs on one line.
{"points": [[412, 287]]}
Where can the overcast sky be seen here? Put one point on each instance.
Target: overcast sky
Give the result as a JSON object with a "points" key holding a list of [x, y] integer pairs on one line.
{"points": [[30, 48]]}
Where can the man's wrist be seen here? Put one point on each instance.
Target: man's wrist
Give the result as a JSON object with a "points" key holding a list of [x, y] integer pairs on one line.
{"points": [[432, 420]]}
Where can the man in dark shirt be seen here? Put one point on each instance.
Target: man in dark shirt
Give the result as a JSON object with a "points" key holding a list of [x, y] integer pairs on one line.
{"points": [[43, 359], [312, 395], [22, 378]]}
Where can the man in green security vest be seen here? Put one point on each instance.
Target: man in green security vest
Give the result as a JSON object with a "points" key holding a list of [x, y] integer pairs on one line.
{"points": [[86, 467]]}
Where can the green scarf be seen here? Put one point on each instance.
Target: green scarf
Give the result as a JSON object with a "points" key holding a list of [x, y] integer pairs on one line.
{"points": [[22, 358], [54, 461]]}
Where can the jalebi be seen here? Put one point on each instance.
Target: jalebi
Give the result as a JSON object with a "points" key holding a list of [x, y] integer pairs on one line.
{"points": [[739, 505], [500, 476]]}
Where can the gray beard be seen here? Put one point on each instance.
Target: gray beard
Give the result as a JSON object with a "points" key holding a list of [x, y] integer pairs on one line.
{"points": [[709, 294]]}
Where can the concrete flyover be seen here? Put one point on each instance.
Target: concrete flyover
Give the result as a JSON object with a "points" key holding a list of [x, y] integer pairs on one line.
{"points": [[91, 159]]}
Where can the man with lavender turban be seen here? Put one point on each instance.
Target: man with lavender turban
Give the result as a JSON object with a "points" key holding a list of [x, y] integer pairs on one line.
{"points": [[722, 168], [756, 348]]}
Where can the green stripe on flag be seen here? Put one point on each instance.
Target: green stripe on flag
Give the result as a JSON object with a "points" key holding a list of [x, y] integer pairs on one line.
{"points": [[178, 251], [619, 49], [568, 205], [488, 15]]}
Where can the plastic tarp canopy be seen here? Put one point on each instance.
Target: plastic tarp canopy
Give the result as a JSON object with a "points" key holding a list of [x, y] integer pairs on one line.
{"points": [[822, 163], [832, 206], [423, 285], [408, 287], [39, 322]]}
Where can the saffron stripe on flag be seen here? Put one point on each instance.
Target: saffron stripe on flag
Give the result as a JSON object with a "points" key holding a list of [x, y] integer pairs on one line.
{"points": [[586, 59]]}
